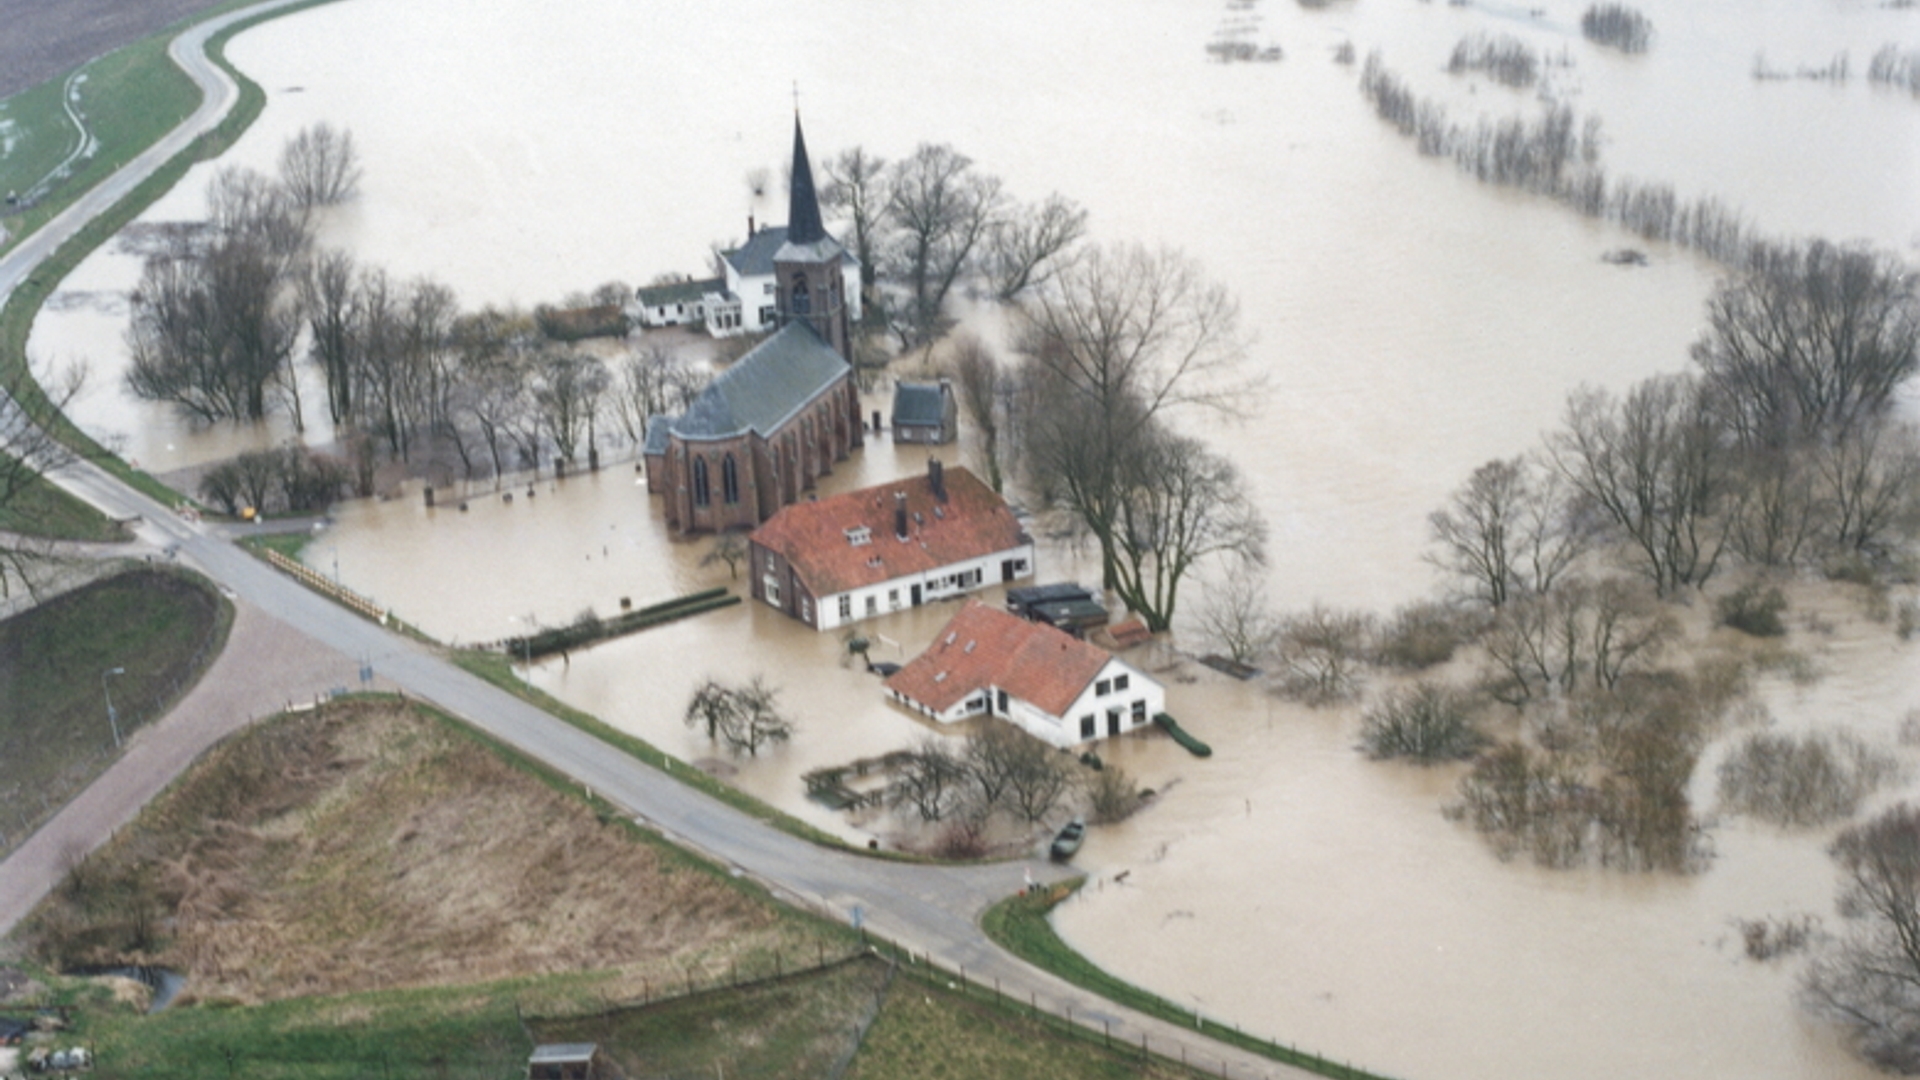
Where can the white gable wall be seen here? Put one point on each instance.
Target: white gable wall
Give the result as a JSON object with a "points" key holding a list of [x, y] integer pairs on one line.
{"points": [[940, 583]]}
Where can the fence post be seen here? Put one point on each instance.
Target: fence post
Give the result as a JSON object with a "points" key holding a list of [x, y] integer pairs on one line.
{"points": [[1108, 1024]]}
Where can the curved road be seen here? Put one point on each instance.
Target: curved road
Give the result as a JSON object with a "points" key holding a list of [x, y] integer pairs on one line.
{"points": [[928, 909]]}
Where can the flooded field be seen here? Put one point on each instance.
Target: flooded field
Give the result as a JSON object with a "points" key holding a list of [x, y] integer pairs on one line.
{"points": [[1411, 324]]}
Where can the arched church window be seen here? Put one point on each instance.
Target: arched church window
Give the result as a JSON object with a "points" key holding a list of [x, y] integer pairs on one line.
{"points": [[729, 481], [702, 494], [802, 302]]}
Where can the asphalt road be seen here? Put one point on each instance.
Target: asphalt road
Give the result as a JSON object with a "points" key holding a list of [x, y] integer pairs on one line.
{"points": [[931, 910]]}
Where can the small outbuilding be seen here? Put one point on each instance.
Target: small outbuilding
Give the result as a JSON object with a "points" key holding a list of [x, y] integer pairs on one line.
{"points": [[925, 413], [565, 1061]]}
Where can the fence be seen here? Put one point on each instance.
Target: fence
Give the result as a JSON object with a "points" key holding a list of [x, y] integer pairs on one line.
{"points": [[319, 583]]}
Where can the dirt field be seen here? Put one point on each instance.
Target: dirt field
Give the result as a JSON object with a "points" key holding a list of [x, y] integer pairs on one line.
{"points": [[366, 846], [42, 38]]}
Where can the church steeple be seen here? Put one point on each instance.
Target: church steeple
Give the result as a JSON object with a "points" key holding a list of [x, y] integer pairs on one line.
{"points": [[803, 206]]}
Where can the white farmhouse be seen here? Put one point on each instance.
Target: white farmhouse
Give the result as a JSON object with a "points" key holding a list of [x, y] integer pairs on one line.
{"points": [[1053, 685], [833, 561]]}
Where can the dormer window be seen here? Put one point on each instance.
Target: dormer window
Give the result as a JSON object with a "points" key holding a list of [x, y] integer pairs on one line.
{"points": [[859, 535]]}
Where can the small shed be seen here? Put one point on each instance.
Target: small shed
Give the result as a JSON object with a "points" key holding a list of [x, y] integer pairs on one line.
{"points": [[925, 412], [1076, 617], [565, 1061], [1023, 600]]}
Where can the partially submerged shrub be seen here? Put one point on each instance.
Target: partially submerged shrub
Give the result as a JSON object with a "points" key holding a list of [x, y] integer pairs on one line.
{"points": [[1419, 636], [1426, 722], [1802, 780], [1505, 59], [1617, 25], [1768, 938], [1754, 611], [1320, 652], [1113, 794]]}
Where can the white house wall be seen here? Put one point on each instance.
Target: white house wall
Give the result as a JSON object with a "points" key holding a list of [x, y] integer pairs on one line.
{"points": [[897, 594]]}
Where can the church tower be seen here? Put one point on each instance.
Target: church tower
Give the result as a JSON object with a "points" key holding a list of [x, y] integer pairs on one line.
{"points": [[810, 268]]}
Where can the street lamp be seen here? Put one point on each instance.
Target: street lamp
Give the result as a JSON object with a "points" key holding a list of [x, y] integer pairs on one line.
{"points": [[113, 718], [526, 650]]}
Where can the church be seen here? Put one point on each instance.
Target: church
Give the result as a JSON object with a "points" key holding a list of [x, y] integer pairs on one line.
{"points": [[780, 417]]}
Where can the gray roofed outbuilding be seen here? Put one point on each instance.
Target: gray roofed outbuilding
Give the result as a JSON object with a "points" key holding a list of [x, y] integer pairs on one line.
{"points": [[678, 292], [763, 388], [918, 403]]}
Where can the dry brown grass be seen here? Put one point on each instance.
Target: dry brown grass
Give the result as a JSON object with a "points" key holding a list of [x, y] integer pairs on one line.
{"points": [[368, 845]]}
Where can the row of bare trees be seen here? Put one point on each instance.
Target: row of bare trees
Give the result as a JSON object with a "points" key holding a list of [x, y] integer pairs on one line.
{"points": [[930, 221], [1001, 769]]}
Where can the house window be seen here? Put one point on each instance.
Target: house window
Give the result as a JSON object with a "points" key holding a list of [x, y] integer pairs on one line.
{"points": [[702, 494], [1119, 682], [1002, 702], [806, 610], [873, 604], [1103, 688], [729, 480], [846, 606], [893, 598], [767, 313], [1139, 713], [1087, 728], [771, 584]]}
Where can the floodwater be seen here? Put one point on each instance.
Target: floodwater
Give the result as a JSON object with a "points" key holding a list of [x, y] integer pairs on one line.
{"points": [[1410, 324]]}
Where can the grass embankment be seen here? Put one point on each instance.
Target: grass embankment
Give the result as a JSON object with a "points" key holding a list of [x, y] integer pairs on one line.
{"points": [[371, 889], [163, 627], [1019, 924], [41, 509], [16, 318]]}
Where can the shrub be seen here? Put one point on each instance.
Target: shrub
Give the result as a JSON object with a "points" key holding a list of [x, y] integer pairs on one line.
{"points": [[1113, 794], [1752, 611], [1507, 60], [1617, 25], [1422, 635], [1427, 722], [1802, 780], [1320, 653]]}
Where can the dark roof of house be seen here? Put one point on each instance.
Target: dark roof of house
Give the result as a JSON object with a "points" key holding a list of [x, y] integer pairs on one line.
{"points": [[1028, 595], [755, 257], [659, 428], [921, 404], [818, 538], [982, 647], [763, 388], [803, 206], [677, 292]]}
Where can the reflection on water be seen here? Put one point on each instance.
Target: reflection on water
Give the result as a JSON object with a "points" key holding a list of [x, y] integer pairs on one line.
{"points": [[1411, 325]]}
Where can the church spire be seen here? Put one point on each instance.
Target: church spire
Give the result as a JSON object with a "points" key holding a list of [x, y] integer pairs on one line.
{"points": [[803, 206]]}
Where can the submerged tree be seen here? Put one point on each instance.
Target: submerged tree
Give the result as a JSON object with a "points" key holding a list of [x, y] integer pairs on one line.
{"points": [[741, 717], [319, 167], [940, 212], [1870, 979], [1508, 532]]}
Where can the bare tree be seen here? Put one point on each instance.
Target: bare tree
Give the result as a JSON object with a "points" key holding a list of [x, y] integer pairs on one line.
{"points": [[1780, 510], [730, 548], [1509, 531], [742, 717], [857, 190], [568, 395], [932, 780], [1809, 342], [1870, 979], [1026, 246], [654, 381], [940, 212], [978, 378], [331, 303], [1654, 465], [1236, 620], [1321, 651], [29, 409], [1870, 475], [1578, 636], [1115, 340], [319, 167], [1037, 777], [1181, 503]]}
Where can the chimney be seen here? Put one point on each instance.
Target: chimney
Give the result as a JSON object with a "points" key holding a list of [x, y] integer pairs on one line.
{"points": [[937, 479], [749, 224], [900, 514]]}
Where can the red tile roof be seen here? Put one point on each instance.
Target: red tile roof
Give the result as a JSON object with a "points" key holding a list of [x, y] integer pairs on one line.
{"points": [[814, 536], [984, 646]]}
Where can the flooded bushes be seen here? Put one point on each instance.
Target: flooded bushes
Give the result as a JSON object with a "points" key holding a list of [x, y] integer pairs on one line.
{"points": [[1427, 722], [1802, 780], [1892, 67], [1321, 654], [1869, 979], [1617, 25], [1506, 60], [1752, 610], [292, 479]]}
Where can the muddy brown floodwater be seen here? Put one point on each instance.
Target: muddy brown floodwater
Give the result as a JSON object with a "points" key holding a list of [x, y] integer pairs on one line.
{"points": [[1410, 323]]}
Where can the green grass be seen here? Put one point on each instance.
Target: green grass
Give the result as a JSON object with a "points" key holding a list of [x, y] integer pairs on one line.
{"points": [[163, 627], [1019, 924], [41, 509]]}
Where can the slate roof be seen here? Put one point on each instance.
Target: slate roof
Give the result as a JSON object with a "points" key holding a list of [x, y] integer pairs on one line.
{"points": [[755, 257], [659, 428], [984, 647], [803, 207], [763, 388], [919, 404], [814, 536], [677, 292]]}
